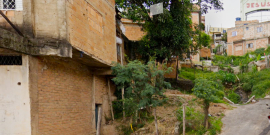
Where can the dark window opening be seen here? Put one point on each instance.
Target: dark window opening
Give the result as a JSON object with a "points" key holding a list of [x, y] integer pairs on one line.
{"points": [[10, 60], [250, 45]]}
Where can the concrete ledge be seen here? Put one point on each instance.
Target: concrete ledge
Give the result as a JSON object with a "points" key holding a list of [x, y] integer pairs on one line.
{"points": [[33, 46]]}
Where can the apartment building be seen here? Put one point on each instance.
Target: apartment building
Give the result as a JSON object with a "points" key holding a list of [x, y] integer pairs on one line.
{"points": [[216, 33], [247, 36], [55, 58]]}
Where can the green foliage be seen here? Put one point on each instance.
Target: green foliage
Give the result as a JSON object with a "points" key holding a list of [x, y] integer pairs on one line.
{"points": [[169, 33], [207, 90], [188, 73], [194, 120], [205, 39], [267, 51], [259, 51], [254, 68], [224, 38], [230, 69], [216, 125], [258, 57], [256, 82], [117, 109], [226, 77], [234, 97], [232, 60], [144, 84]]}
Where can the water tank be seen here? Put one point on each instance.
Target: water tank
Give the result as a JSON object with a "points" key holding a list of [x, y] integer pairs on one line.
{"points": [[238, 19]]}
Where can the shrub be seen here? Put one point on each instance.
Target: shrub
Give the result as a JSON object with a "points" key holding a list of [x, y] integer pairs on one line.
{"points": [[216, 125], [259, 51], [234, 97]]}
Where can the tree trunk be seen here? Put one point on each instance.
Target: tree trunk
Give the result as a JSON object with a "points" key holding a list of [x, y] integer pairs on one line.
{"points": [[123, 98], [206, 108], [156, 124], [184, 119]]}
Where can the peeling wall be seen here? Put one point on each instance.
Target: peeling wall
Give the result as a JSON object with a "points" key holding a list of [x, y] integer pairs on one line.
{"points": [[14, 99]]}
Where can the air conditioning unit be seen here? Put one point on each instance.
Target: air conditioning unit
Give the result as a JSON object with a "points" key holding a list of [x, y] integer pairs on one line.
{"points": [[11, 4]]}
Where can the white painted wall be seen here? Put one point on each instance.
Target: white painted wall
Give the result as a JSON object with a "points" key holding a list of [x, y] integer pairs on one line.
{"points": [[14, 99]]}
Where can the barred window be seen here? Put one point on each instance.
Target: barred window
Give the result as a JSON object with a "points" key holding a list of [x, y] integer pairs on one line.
{"points": [[10, 60], [11, 5]]}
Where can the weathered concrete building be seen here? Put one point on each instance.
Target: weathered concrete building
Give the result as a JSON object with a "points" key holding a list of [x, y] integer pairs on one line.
{"points": [[54, 64], [247, 36]]}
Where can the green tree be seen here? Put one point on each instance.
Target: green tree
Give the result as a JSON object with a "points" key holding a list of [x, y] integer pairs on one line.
{"points": [[144, 85], [224, 37], [168, 33], [205, 39], [209, 91]]}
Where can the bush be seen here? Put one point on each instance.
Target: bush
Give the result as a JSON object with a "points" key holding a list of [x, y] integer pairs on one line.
{"points": [[256, 82], [234, 97], [194, 120], [227, 77], [259, 51], [216, 125]]}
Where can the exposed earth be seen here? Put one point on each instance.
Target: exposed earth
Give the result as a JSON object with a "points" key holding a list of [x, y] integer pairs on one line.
{"points": [[248, 119]]}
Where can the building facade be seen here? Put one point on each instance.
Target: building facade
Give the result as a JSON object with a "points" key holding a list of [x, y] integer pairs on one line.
{"points": [[216, 33], [247, 36], [255, 10], [55, 60]]}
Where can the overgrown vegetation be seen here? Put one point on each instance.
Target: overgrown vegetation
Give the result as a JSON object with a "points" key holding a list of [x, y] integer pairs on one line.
{"points": [[242, 61], [209, 92], [144, 86], [258, 83], [195, 120], [167, 34]]}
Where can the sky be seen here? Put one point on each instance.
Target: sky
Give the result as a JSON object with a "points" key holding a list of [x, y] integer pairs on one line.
{"points": [[224, 18]]}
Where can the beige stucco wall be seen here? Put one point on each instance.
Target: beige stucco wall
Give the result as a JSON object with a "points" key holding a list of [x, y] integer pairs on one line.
{"points": [[14, 99]]}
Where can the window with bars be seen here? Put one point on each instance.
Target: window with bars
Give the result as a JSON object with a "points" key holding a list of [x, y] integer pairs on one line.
{"points": [[10, 60], [11, 5]]}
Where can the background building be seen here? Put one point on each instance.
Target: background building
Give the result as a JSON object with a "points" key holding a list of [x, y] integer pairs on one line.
{"points": [[255, 10], [247, 36], [216, 33]]}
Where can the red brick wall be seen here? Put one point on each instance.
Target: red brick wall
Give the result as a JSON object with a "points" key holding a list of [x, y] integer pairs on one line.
{"points": [[229, 49], [235, 38], [91, 26], [61, 95], [64, 95], [262, 43], [238, 49]]}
